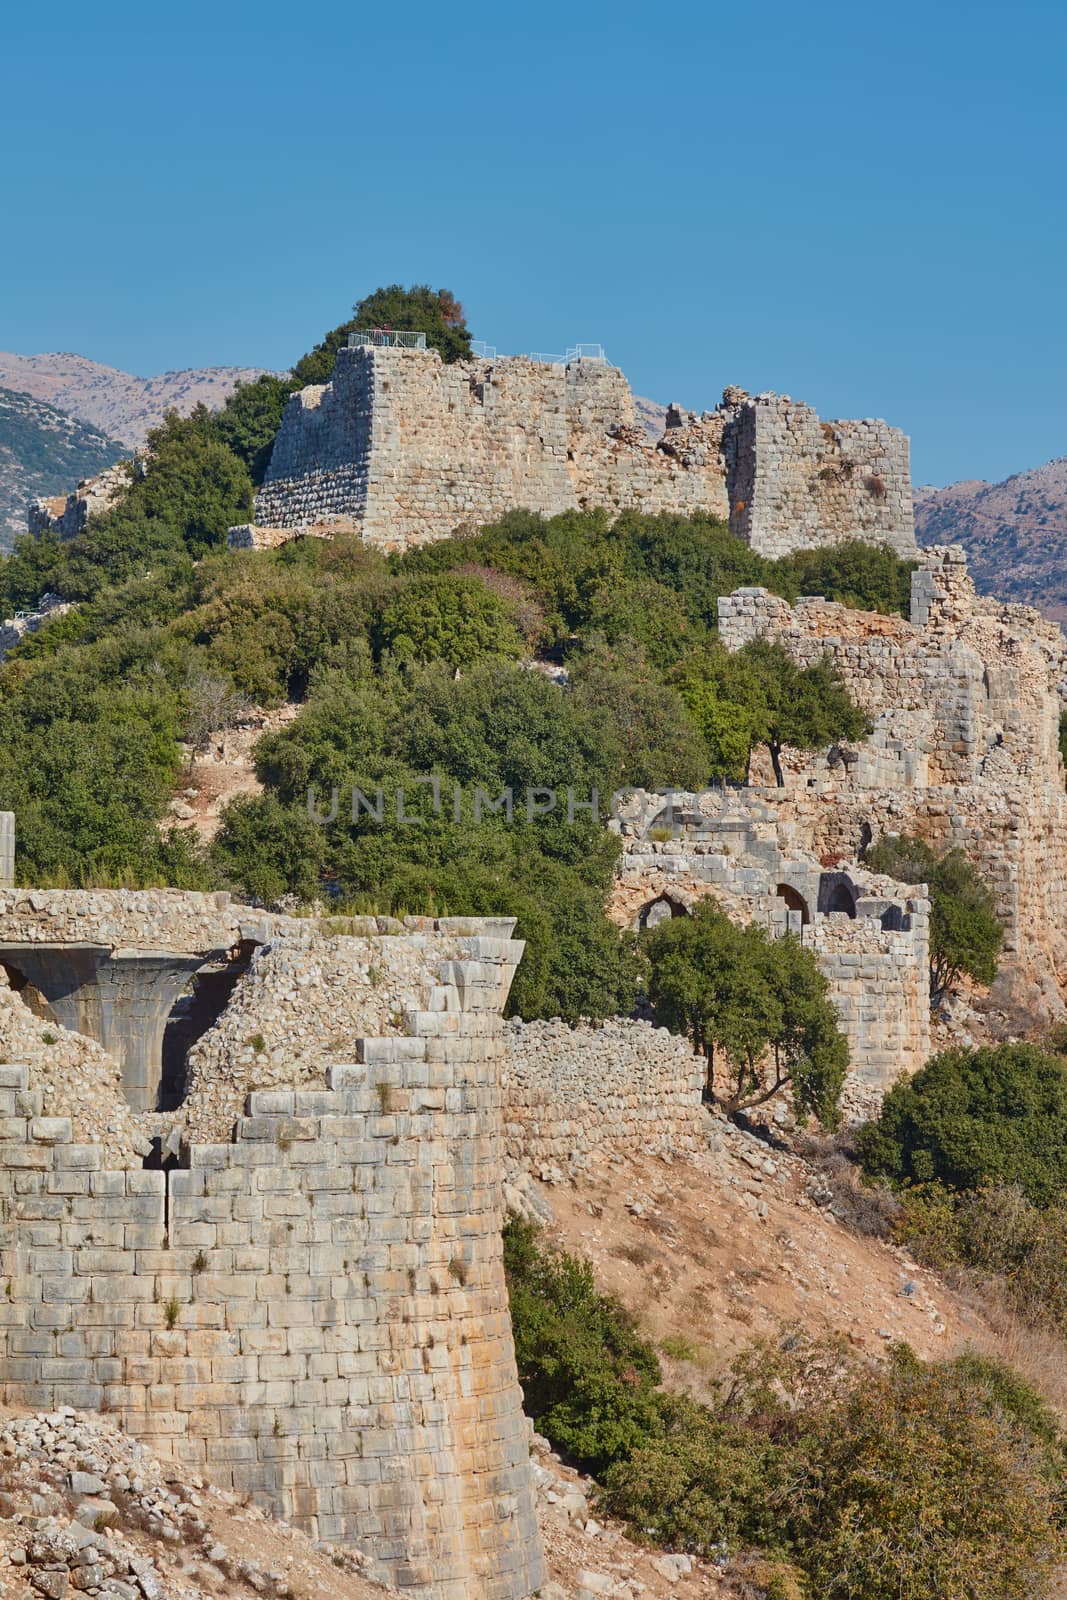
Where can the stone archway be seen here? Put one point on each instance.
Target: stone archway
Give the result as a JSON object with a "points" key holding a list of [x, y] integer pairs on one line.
{"points": [[662, 909], [794, 901], [841, 899]]}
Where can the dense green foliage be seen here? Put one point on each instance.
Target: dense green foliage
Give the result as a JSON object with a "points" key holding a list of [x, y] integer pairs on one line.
{"points": [[969, 1118], [758, 695], [412, 691], [965, 936], [895, 1482], [760, 1002], [190, 489], [590, 1382], [435, 312]]}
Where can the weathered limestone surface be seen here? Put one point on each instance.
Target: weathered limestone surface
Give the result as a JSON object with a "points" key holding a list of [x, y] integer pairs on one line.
{"points": [[869, 934], [797, 482], [112, 965], [313, 1312], [572, 1094], [406, 450], [7, 849], [67, 515], [966, 700]]}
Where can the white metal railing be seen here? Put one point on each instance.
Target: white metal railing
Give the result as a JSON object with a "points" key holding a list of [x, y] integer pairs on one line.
{"points": [[386, 338], [482, 351], [574, 352]]}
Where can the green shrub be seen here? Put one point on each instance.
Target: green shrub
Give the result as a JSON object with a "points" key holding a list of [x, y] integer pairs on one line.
{"points": [[999, 1235], [970, 1118], [588, 1378], [897, 1481]]}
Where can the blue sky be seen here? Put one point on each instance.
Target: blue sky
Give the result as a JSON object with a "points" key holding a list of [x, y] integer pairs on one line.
{"points": [[860, 206]]}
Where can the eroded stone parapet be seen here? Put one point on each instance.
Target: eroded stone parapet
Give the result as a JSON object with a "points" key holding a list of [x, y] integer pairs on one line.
{"points": [[67, 515]]}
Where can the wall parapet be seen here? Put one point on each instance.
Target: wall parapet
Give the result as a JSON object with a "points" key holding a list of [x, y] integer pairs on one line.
{"points": [[576, 1095]]}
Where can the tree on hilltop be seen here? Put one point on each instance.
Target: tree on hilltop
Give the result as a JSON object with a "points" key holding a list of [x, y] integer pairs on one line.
{"points": [[435, 312]]}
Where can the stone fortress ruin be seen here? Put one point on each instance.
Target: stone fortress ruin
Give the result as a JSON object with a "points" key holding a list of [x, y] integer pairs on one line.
{"points": [[405, 449], [253, 1167]]}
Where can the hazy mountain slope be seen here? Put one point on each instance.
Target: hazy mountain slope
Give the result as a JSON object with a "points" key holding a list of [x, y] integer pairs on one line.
{"points": [[43, 452], [120, 404], [1015, 533]]}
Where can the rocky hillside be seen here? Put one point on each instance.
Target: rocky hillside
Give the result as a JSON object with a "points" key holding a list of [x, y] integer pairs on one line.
{"points": [[1015, 533], [43, 451], [120, 404]]}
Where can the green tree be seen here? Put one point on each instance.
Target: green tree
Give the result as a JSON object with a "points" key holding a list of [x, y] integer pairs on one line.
{"points": [[762, 1002], [969, 1118], [662, 747], [448, 618], [589, 1380], [870, 577], [724, 696], [249, 421], [965, 935], [435, 312], [267, 850], [805, 707]]}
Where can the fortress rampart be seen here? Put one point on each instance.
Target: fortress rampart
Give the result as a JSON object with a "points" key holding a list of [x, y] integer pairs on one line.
{"points": [[406, 449], [312, 1311], [965, 699]]}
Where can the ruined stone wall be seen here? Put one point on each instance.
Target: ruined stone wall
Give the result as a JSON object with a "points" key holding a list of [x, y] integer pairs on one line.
{"points": [[797, 482], [966, 699], [314, 1312], [572, 1095], [15, 629], [407, 450], [67, 515], [869, 934]]}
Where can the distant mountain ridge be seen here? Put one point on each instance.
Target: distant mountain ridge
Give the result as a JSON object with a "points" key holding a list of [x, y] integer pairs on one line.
{"points": [[43, 451], [118, 403], [1015, 533]]}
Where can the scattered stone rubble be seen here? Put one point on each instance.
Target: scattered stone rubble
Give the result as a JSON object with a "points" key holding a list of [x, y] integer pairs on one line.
{"points": [[73, 1082], [85, 1510]]}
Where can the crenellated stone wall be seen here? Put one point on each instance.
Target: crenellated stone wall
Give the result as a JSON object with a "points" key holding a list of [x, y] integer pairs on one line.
{"points": [[313, 1311], [406, 450]]}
